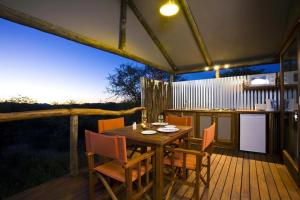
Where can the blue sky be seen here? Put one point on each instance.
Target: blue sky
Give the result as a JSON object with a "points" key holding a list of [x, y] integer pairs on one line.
{"points": [[51, 69]]}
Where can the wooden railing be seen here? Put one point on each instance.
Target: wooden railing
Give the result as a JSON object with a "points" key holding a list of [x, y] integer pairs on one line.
{"points": [[73, 113]]}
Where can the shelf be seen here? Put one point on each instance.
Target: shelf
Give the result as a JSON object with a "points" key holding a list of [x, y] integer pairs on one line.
{"points": [[261, 87], [269, 87]]}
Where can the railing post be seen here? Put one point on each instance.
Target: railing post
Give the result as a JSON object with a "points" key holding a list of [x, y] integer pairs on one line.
{"points": [[73, 145]]}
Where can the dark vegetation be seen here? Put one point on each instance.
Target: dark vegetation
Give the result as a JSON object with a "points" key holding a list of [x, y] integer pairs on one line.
{"points": [[125, 81], [35, 151]]}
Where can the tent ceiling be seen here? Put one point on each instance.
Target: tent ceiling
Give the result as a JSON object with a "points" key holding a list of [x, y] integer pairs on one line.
{"points": [[232, 31]]}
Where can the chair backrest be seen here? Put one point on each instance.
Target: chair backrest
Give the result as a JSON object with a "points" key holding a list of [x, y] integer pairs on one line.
{"points": [[208, 136], [109, 124], [109, 146], [180, 121]]}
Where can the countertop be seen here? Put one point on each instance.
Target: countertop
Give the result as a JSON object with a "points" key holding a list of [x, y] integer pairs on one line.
{"points": [[222, 111]]}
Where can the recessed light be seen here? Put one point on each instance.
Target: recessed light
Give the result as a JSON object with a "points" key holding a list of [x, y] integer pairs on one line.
{"points": [[216, 67]]}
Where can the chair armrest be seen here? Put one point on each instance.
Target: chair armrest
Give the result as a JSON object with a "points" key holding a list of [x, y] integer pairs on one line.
{"points": [[138, 159], [193, 152]]}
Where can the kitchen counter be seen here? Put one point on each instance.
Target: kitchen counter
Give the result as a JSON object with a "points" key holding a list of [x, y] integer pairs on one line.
{"points": [[222, 111], [228, 125]]}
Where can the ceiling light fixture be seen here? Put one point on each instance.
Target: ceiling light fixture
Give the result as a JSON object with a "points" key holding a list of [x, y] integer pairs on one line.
{"points": [[169, 9], [216, 67], [206, 68]]}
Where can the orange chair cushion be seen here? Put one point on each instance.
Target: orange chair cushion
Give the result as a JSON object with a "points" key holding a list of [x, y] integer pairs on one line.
{"points": [[178, 161], [115, 170]]}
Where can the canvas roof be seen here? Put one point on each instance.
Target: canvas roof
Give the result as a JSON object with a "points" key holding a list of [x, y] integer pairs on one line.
{"points": [[203, 33]]}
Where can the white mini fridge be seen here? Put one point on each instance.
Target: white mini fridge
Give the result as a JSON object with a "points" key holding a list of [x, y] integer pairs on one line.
{"points": [[253, 132]]}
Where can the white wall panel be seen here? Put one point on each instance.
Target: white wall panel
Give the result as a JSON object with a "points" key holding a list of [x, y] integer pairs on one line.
{"points": [[222, 93]]}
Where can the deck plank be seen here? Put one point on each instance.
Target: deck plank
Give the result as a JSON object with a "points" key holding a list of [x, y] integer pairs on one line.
{"points": [[245, 191], [282, 190], [269, 179], [215, 177], [222, 179], [236, 188], [230, 178], [262, 184], [254, 190], [234, 175], [288, 181]]}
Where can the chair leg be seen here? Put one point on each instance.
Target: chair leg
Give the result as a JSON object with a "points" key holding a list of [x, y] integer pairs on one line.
{"points": [[197, 185], [108, 188], [208, 171], [91, 186], [171, 185]]}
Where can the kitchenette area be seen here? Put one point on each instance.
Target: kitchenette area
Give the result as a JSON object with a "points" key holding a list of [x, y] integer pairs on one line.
{"points": [[246, 130]]}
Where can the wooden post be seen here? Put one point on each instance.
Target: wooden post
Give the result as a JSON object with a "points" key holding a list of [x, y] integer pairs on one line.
{"points": [[73, 145], [170, 91]]}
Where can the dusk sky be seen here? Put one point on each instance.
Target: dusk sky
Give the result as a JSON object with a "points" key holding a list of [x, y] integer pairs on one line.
{"points": [[51, 69]]}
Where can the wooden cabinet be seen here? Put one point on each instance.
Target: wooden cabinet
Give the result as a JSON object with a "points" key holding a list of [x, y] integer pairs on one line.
{"points": [[225, 125]]}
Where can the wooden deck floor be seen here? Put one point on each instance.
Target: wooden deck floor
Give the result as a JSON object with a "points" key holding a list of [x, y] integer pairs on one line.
{"points": [[235, 175]]}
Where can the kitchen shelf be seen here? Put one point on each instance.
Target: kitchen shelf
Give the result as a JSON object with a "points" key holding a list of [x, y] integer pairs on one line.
{"points": [[261, 87], [269, 87]]}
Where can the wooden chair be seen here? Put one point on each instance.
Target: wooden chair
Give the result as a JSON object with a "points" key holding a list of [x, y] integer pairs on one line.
{"points": [[110, 124], [179, 121], [187, 159], [119, 168]]}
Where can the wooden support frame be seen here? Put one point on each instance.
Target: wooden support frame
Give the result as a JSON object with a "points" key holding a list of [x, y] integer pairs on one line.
{"points": [[151, 34], [123, 20], [195, 30], [37, 23]]}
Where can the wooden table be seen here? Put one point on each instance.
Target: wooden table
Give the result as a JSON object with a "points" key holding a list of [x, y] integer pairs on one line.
{"points": [[157, 141]]}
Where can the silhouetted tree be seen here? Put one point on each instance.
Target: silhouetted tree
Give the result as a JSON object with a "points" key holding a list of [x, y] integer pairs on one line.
{"points": [[124, 83]]}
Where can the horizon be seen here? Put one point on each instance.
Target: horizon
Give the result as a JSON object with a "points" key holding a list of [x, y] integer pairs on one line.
{"points": [[70, 71]]}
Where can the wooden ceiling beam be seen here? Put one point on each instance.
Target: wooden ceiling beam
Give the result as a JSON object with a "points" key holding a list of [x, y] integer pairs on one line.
{"points": [[233, 64], [151, 34], [37, 23], [195, 31], [122, 26]]}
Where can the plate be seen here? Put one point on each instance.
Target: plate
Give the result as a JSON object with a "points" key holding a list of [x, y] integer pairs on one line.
{"points": [[159, 123], [170, 126], [168, 130], [148, 132]]}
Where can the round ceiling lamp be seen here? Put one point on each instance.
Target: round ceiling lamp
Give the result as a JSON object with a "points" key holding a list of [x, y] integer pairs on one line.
{"points": [[169, 9]]}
